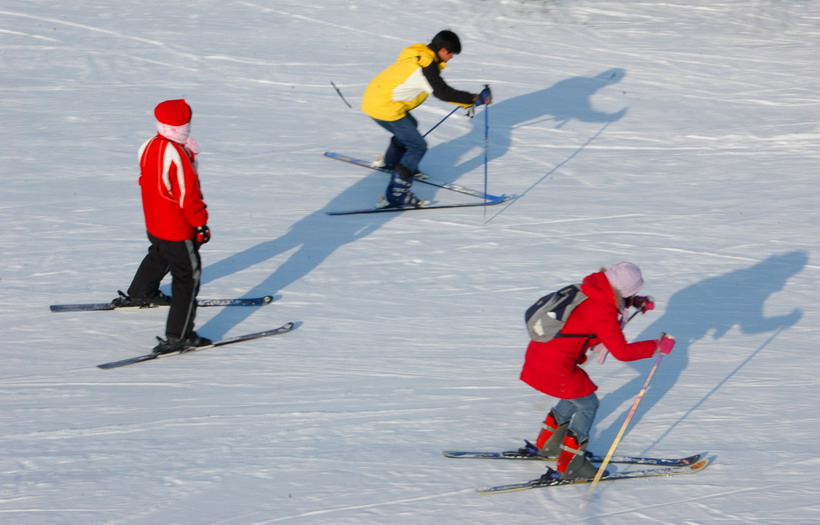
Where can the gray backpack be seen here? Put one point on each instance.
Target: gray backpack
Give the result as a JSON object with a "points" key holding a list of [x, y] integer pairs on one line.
{"points": [[547, 316]]}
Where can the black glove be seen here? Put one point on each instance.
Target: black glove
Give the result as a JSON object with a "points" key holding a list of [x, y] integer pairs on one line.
{"points": [[485, 97], [203, 234], [644, 303]]}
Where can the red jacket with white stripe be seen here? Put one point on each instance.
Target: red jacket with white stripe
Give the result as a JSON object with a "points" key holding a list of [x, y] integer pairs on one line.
{"points": [[553, 367], [171, 198]]}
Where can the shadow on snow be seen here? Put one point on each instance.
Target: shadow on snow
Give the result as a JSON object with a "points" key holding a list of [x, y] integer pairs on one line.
{"points": [[711, 307], [316, 236]]}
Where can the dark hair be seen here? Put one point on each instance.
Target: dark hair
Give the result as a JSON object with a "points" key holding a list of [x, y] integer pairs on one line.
{"points": [[448, 40]]}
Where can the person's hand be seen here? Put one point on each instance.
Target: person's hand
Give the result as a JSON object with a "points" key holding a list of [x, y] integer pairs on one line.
{"points": [[644, 303], [485, 97], [665, 344], [203, 234]]}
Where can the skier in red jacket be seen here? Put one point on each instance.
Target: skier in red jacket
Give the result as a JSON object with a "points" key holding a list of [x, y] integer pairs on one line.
{"points": [[553, 367], [176, 219]]}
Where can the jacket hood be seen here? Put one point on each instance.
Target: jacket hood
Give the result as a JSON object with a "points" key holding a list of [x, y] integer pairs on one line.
{"points": [[596, 286], [422, 53]]}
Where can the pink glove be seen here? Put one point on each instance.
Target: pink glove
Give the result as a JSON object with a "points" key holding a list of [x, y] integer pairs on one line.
{"points": [[644, 303], [665, 344]]}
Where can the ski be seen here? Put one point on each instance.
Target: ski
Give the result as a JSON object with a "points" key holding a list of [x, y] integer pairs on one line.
{"points": [[94, 307], [285, 328], [550, 478], [524, 455], [432, 182], [490, 202]]}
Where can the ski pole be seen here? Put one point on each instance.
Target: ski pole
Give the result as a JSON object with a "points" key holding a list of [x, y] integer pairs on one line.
{"points": [[602, 468], [440, 121], [340, 94], [486, 144]]}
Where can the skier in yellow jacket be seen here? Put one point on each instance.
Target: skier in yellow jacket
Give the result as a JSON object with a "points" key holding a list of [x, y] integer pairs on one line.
{"points": [[401, 87]]}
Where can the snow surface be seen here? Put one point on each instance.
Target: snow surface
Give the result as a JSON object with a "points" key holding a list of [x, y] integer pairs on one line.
{"points": [[682, 136]]}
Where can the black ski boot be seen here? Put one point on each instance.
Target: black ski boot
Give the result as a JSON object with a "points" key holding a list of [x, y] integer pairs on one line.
{"points": [[156, 298], [175, 344]]}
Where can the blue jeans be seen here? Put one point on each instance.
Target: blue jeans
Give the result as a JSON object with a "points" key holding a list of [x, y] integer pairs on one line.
{"points": [[407, 147], [580, 412]]}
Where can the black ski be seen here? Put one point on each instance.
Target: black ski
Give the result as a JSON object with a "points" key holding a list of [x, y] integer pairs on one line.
{"points": [[523, 455], [285, 328], [489, 202], [426, 180], [550, 479], [93, 307]]}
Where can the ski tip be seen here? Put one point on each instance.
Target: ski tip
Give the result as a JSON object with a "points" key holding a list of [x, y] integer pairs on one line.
{"points": [[700, 465], [693, 459]]}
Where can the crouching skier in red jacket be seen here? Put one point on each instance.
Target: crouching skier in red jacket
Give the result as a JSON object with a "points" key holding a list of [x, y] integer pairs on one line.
{"points": [[176, 219], [553, 367]]}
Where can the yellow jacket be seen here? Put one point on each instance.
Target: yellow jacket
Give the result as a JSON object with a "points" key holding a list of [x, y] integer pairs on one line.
{"points": [[404, 85]]}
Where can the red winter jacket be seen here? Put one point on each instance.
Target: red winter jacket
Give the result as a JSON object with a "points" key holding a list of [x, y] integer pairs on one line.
{"points": [[171, 198], [552, 367]]}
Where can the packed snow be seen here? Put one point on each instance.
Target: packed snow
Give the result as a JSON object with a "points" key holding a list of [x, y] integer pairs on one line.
{"points": [[682, 136]]}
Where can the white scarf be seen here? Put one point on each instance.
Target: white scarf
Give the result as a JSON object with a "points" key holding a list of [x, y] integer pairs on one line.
{"points": [[600, 350], [179, 134]]}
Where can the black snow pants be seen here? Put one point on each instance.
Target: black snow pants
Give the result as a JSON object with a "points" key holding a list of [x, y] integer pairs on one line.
{"points": [[181, 259]]}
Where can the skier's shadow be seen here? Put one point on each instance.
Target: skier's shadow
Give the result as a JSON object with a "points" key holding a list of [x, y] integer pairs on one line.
{"points": [[316, 236], [569, 99], [711, 307], [312, 239]]}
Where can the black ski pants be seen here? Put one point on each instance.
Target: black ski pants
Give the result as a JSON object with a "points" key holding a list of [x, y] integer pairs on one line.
{"points": [[181, 259]]}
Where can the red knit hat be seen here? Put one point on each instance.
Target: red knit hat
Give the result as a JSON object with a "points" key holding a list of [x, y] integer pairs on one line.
{"points": [[173, 112]]}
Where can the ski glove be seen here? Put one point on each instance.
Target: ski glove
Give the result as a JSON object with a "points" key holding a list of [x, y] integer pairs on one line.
{"points": [[644, 303], [665, 344], [485, 97], [203, 234]]}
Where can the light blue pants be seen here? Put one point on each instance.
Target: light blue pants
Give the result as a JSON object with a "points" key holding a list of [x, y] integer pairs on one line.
{"points": [[580, 412]]}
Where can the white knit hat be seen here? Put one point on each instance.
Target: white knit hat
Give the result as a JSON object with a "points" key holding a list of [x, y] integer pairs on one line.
{"points": [[625, 277]]}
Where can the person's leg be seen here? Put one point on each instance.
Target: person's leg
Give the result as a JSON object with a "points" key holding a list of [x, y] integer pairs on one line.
{"points": [[585, 409], [407, 147], [393, 155], [145, 284], [551, 435], [405, 164], [572, 462], [186, 270], [398, 189], [564, 410]]}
